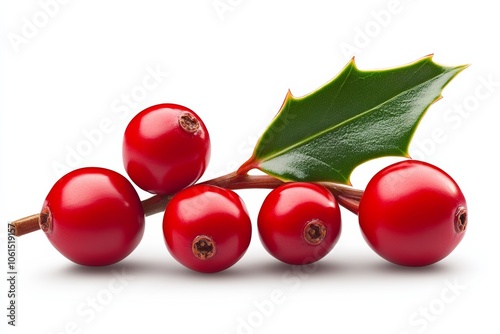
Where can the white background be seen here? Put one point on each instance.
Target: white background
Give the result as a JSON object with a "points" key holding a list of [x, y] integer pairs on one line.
{"points": [[74, 68]]}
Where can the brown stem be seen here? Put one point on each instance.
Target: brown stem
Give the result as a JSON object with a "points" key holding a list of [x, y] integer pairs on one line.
{"points": [[347, 196], [155, 204], [25, 225]]}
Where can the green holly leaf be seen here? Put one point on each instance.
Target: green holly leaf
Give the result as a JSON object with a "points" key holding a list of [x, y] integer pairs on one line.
{"points": [[356, 117]]}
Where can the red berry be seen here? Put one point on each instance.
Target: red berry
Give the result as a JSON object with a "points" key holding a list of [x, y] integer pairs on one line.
{"points": [[166, 148], [93, 216], [412, 213], [207, 228], [299, 223]]}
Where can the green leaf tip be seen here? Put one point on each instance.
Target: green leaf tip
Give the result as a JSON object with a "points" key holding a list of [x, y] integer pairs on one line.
{"points": [[358, 116]]}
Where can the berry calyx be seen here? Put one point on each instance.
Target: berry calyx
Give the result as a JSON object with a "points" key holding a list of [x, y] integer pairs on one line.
{"points": [[93, 216], [461, 219], [203, 247], [206, 228], [166, 148], [315, 232], [412, 213], [189, 123], [299, 223]]}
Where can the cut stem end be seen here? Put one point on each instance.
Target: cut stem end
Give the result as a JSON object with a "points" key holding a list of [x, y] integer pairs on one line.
{"points": [[25, 225]]}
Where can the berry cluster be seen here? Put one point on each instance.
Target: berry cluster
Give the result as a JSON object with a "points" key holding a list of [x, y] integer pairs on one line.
{"points": [[411, 213]]}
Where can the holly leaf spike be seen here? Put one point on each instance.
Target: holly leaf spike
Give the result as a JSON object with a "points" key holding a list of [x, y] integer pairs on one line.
{"points": [[357, 116]]}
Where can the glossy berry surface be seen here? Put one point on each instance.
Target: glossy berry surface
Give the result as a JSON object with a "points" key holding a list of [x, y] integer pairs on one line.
{"points": [[166, 148], [93, 216], [207, 228], [299, 222], [412, 213]]}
